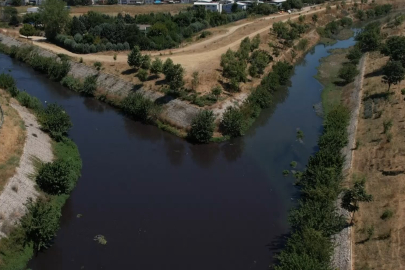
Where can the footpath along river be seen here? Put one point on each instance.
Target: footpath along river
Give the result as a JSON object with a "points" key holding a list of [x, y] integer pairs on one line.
{"points": [[162, 203]]}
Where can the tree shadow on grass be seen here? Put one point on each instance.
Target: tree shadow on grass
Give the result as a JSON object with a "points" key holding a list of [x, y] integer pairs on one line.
{"points": [[375, 73], [129, 71]]}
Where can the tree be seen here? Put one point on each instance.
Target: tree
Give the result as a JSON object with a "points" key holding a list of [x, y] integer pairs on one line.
{"points": [[55, 17], [315, 18], [142, 75], [145, 59], [360, 14], [157, 66], [395, 48], [354, 55], [202, 127], [168, 65], [301, 18], [352, 197], [55, 120], [14, 21], [216, 91], [255, 43], [232, 122], [348, 73], [77, 26], [16, 3], [393, 73], [234, 7], [27, 30], [195, 81], [370, 38], [174, 77], [135, 57], [56, 178], [40, 223]]}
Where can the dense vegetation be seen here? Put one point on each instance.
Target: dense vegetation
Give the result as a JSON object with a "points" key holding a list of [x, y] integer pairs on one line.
{"points": [[56, 179]]}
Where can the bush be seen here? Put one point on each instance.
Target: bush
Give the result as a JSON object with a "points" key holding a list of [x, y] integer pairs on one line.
{"points": [[6, 81], [72, 83], [137, 106], [261, 97], [284, 71], [168, 65], [157, 66], [13, 90], [55, 121], [145, 61], [40, 224], [57, 70], [202, 127], [89, 85], [134, 57], [233, 123], [56, 178], [348, 72], [387, 214], [28, 101], [174, 76], [142, 75], [98, 65]]}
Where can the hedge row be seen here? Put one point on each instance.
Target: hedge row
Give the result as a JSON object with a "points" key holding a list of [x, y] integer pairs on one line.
{"points": [[74, 45], [315, 219], [38, 227]]}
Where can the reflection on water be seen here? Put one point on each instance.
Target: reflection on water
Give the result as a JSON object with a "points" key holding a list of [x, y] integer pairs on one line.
{"points": [[165, 204]]}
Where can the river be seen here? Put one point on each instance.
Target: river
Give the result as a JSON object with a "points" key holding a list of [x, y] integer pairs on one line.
{"points": [[162, 203]]}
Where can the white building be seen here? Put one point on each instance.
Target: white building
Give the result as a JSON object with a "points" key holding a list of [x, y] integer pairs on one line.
{"points": [[212, 6]]}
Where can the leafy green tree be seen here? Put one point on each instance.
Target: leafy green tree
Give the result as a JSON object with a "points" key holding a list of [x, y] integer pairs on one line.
{"points": [[255, 43], [55, 17], [16, 3], [354, 55], [56, 178], [77, 27], [41, 223], [352, 197], [135, 57], [284, 70], [174, 77], [27, 30], [145, 61], [216, 91], [14, 21], [395, 48], [158, 29], [393, 73], [232, 122], [370, 38], [301, 18], [315, 18], [195, 81], [234, 7], [280, 29], [259, 60], [55, 120], [232, 67], [202, 127], [348, 73], [361, 15], [89, 85], [138, 106], [168, 65], [157, 66], [142, 74]]}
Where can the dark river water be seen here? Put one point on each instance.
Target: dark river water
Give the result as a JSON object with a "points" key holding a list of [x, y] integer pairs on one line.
{"points": [[163, 203]]}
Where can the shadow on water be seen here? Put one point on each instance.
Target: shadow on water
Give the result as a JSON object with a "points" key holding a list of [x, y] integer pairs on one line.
{"points": [[163, 203]]}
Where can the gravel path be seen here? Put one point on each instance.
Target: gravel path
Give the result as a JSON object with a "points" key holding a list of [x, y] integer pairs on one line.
{"points": [[20, 187], [342, 257]]}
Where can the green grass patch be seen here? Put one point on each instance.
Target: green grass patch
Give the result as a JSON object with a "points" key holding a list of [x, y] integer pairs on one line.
{"points": [[330, 97]]}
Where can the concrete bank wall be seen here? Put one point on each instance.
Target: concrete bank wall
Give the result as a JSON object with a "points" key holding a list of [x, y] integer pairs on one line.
{"points": [[177, 112]]}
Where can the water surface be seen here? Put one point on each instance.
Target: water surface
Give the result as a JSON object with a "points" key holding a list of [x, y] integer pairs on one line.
{"points": [[163, 203]]}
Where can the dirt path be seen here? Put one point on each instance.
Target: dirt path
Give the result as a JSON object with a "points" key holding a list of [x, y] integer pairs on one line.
{"points": [[20, 187], [196, 55]]}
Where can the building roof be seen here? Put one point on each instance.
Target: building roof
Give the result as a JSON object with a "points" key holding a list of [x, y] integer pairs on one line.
{"points": [[278, 1], [205, 3], [143, 27]]}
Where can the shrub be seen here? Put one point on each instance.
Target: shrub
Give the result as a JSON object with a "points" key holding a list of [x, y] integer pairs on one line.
{"points": [[55, 121], [57, 70], [145, 61], [142, 75], [137, 106], [157, 66], [387, 214], [89, 85], [41, 223], [174, 76], [283, 71], [348, 72], [6, 81], [216, 91], [13, 90], [168, 65], [202, 127], [98, 65], [134, 57], [232, 122], [56, 178], [28, 101], [72, 83], [261, 97]]}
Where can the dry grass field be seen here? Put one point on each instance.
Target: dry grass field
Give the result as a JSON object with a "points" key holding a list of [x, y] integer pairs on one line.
{"points": [[12, 138], [379, 228]]}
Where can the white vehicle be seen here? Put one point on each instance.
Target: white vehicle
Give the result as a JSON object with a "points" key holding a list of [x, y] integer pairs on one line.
{"points": [[32, 10]]}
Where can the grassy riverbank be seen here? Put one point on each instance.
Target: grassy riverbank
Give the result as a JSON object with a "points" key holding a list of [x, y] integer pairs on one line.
{"points": [[55, 180]]}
